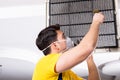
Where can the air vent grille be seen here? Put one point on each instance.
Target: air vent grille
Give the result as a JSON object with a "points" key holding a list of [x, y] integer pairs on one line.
{"points": [[75, 16]]}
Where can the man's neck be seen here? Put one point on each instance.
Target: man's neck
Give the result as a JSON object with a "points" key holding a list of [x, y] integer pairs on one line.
{"points": [[54, 52]]}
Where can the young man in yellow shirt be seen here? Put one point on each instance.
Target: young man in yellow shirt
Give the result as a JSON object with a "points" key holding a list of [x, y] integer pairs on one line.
{"points": [[59, 58]]}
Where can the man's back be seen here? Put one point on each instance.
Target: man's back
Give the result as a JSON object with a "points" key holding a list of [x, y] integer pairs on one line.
{"points": [[45, 69]]}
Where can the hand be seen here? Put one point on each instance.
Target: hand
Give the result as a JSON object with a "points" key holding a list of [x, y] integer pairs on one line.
{"points": [[98, 17], [90, 59]]}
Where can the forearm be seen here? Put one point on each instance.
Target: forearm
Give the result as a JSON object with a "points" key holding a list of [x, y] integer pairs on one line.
{"points": [[93, 72], [91, 37]]}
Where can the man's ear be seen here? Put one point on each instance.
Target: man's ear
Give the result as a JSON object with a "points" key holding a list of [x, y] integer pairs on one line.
{"points": [[55, 45]]}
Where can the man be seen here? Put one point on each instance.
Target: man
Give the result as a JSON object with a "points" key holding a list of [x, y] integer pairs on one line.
{"points": [[58, 59]]}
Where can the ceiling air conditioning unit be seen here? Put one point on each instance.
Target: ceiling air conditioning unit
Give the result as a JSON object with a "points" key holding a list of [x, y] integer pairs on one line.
{"points": [[0, 69]]}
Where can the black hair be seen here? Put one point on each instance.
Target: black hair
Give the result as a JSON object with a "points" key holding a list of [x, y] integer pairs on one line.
{"points": [[46, 37]]}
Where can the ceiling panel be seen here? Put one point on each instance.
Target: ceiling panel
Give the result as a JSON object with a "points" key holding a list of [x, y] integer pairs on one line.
{"points": [[6, 3]]}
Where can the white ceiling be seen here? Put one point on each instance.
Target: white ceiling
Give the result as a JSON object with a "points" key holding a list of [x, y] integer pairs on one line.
{"points": [[7, 3], [18, 66], [21, 8]]}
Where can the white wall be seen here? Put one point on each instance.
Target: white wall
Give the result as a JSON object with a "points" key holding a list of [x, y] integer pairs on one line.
{"points": [[20, 25]]}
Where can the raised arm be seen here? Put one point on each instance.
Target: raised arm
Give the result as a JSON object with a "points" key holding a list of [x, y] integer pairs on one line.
{"points": [[93, 72], [79, 53]]}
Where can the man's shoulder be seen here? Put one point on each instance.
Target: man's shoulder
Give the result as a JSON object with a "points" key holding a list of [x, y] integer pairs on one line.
{"points": [[49, 57]]}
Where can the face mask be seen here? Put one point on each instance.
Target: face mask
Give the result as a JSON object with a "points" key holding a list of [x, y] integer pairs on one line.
{"points": [[69, 43]]}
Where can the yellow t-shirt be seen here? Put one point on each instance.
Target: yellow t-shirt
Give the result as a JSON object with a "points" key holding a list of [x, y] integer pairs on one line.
{"points": [[44, 70]]}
